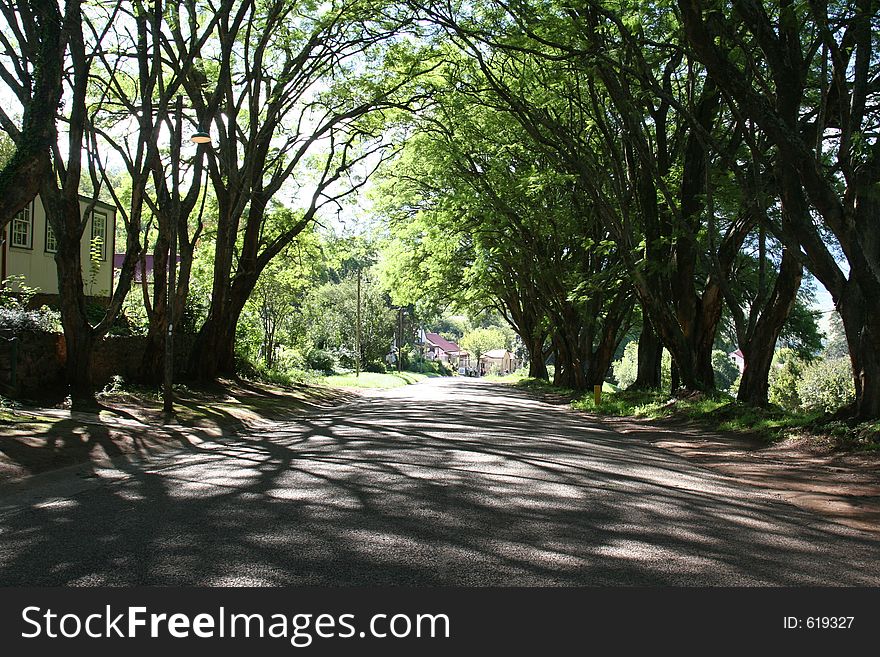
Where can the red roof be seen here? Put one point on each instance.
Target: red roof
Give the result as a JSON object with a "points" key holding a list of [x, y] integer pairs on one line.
{"points": [[443, 343]]}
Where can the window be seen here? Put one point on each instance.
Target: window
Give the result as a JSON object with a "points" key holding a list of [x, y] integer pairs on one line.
{"points": [[99, 234], [51, 240], [23, 228]]}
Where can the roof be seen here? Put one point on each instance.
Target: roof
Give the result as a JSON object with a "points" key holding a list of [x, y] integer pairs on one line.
{"points": [[737, 354], [443, 343], [496, 353]]}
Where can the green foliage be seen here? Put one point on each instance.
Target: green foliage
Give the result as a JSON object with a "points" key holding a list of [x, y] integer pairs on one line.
{"points": [[626, 368], [726, 371], [785, 373], [376, 366], [7, 148], [19, 320], [330, 314], [15, 293], [321, 360], [826, 385], [481, 340], [835, 342]]}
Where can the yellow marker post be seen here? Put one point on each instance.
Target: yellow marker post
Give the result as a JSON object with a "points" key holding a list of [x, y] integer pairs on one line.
{"points": [[597, 395]]}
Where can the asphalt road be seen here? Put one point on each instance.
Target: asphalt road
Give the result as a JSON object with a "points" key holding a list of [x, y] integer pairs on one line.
{"points": [[449, 482]]}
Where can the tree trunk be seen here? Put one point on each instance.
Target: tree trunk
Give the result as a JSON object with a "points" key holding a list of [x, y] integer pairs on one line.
{"points": [[153, 361], [214, 349], [862, 335], [758, 351], [537, 366], [650, 358], [213, 353], [20, 178], [78, 334]]}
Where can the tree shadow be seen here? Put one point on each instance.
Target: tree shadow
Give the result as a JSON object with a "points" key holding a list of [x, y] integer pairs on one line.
{"points": [[456, 484]]}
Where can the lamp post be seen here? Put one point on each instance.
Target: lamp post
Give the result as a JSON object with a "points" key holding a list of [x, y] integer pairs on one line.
{"points": [[200, 137]]}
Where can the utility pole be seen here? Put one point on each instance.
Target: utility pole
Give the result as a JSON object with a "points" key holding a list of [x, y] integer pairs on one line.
{"points": [[357, 359], [200, 137], [400, 339], [176, 144]]}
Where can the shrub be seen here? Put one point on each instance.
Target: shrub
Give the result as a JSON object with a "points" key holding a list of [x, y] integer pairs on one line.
{"points": [[826, 385], [18, 320], [626, 369], [784, 376], [319, 359], [726, 371], [375, 366]]}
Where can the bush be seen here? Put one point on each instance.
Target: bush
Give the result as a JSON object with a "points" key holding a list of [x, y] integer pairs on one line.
{"points": [[784, 376], [319, 359], [375, 366], [826, 385], [626, 369], [18, 320], [726, 371]]}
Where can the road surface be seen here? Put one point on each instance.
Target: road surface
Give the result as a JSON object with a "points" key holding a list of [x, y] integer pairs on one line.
{"points": [[448, 482]]}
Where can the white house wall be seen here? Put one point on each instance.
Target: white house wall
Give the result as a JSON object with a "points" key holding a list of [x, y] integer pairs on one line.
{"points": [[38, 265]]}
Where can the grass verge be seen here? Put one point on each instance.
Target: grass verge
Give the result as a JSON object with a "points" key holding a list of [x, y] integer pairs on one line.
{"points": [[374, 379], [721, 412], [718, 412]]}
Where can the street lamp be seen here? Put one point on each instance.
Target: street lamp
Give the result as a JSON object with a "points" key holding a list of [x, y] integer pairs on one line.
{"points": [[200, 137]]}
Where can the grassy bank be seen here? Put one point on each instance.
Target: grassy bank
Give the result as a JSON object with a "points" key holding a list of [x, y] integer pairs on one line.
{"points": [[373, 379], [719, 412]]}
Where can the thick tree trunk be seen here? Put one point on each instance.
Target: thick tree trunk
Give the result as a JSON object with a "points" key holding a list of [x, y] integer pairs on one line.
{"points": [[537, 366], [78, 333], [650, 358], [214, 349], [213, 353], [21, 177], [758, 352], [569, 365], [153, 361], [862, 330]]}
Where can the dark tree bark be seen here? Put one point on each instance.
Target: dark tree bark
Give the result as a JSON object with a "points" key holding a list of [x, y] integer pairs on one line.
{"points": [[20, 177], [650, 358], [850, 215], [758, 351]]}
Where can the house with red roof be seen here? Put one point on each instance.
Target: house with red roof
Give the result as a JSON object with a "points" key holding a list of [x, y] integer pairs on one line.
{"points": [[440, 349], [739, 359]]}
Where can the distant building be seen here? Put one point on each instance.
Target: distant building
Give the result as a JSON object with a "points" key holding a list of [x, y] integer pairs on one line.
{"points": [[738, 359], [440, 349], [29, 247], [500, 359]]}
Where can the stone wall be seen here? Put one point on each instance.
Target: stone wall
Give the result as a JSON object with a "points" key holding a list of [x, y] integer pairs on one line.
{"points": [[32, 363]]}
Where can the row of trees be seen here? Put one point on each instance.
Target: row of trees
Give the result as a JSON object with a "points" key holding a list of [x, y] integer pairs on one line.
{"points": [[589, 168], [689, 158], [107, 90]]}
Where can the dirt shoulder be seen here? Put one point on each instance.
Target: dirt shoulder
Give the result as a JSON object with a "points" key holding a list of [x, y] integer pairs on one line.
{"points": [[131, 425], [804, 471]]}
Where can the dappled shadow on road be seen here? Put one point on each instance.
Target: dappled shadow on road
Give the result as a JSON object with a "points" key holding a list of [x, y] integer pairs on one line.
{"points": [[447, 483], [130, 428]]}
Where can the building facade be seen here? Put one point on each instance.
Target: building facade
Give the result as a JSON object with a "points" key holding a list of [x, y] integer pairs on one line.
{"points": [[29, 247]]}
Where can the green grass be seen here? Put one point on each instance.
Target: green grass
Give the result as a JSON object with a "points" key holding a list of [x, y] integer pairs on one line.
{"points": [[373, 379], [513, 377], [718, 411], [540, 385]]}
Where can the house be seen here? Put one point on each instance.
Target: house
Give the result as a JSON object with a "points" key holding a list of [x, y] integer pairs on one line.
{"points": [[738, 359], [29, 246], [500, 360], [440, 349]]}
